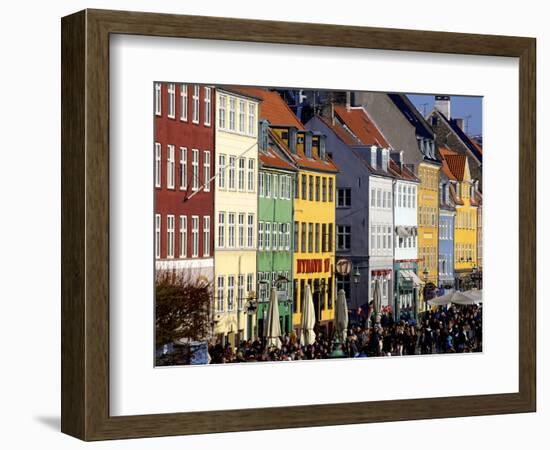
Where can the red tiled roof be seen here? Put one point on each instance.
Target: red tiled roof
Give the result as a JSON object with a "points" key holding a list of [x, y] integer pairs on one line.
{"points": [[361, 125], [402, 173], [273, 107], [453, 164], [344, 135], [476, 145], [271, 158]]}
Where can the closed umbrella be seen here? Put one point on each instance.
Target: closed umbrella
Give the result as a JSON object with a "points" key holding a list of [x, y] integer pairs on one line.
{"points": [[377, 298], [272, 325], [341, 315], [308, 319]]}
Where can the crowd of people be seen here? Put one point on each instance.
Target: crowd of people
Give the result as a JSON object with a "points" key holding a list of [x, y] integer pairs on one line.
{"points": [[456, 329]]}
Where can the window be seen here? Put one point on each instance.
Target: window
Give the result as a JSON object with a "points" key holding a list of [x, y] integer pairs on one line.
{"points": [[261, 185], [260, 235], [274, 236], [232, 113], [221, 229], [221, 171], [287, 234], [268, 185], [249, 283], [195, 169], [183, 236], [250, 231], [373, 198], [384, 199], [296, 190], [343, 200], [207, 106], [242, 162], [324, 190], [388, 231], [304, 241], [231, 230], [171, 100], [230, 292], [232, 172], [158, 101], [311, 188], [275, 186], [281, 236], [221, 111], [157, 236], [296, 231], [251, 119], [242, 121], [206, 236], [170, 236], [330, 189], [240, 292], [414, 197], [170, 167], [310, 238], [304, 187], [251, 175], [183, 168], [373, 237], [379, 198], [324, 238], [378, 237], [157, 163], [241, 230], [207, 173], [267, 240], [196, 104], [183, 102], [330, 236], [308, 145], [317, 237], [219, 294], [317, 189], [343, 237], [195, 236]]}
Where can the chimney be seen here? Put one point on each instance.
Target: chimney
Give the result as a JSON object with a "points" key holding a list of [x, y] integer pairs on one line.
{"points": [[460, 123], [443, 105]]}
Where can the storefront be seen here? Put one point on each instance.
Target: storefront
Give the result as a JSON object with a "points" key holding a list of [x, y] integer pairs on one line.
{"points": [[407, 287]]}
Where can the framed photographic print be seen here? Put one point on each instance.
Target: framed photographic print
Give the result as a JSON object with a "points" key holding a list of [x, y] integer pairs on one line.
{"points": [[273, 225]]}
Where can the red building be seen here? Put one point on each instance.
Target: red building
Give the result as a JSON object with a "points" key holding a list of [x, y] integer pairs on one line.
{"points": [[184, 167]]}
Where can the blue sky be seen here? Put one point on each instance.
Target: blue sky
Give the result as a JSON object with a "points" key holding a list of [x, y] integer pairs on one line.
{"points": [[461, 106]]}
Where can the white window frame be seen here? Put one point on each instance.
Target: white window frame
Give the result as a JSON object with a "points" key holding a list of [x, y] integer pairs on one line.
{"points": [[240, 230], [170, 235], [222, 108], [251, 174], [240, 292], [230, 292], [221, 170], [267, 236], [183, 168], [261, 184], [220, 291], [207, 171], [158, 159], [195, 169], [231, 177], [232, 113], [275, 186], [195, 236], [251, 119], [171, 114], [260, 236], [184, 103], [158, 223], [207, 106], [171, 167], [206, 236], [241, 174], [158, 99], [249, 283], [242, 116], [281, 236], [221, 229], [231, 230], [183, 236], [196, 103], [250, 231]]}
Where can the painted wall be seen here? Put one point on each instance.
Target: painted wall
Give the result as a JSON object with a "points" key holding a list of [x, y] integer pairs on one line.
{"points": [[465, 227], [446, 247]]}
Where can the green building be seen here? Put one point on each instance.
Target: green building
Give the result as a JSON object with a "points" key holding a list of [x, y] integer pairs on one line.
{"points": [[275, 227]]}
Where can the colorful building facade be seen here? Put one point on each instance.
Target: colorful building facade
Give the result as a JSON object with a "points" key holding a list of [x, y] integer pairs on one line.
{"points": [[184, 162], [236, 211]]}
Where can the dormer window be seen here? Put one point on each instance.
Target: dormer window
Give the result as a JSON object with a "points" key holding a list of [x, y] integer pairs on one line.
{"points": [[373, 156], [308, 145], [385, 157], [322, 147], [292, 139], [264, 132]]}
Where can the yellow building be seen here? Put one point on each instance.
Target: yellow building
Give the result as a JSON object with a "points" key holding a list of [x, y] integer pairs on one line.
{"points": [[235, 207], [465, 237], [428, 221]]}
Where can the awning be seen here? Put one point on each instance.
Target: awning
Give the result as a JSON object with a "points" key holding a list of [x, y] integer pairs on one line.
{"points": [[402, 231], [416, 280], [405, 274]]}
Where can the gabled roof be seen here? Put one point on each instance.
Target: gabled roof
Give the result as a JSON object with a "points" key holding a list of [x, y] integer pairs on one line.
{"points": [[341, 133], [361, 125], [414, 117], [469, 143], [454, 164], [273, 107], [277, 155]]}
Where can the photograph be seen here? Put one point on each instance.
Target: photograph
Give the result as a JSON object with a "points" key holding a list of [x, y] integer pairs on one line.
{"points": [[299, 224]]}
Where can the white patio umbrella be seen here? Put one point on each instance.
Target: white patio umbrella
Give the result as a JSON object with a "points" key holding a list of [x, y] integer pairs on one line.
{"points": [[272, 324], [308, 319], [457, 297], [341, 315]]}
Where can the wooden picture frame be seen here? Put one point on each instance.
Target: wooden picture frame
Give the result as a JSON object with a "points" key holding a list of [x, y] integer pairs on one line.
{"points": [[85, 224]]}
